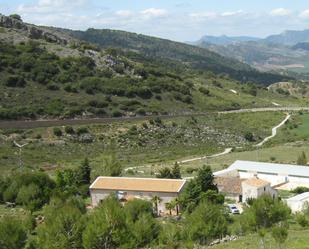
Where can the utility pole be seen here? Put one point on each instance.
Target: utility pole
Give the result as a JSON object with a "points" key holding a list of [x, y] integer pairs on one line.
{"points": [[20, 152]]}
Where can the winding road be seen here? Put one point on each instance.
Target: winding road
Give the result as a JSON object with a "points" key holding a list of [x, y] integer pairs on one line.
{"points": [[274, 131]]}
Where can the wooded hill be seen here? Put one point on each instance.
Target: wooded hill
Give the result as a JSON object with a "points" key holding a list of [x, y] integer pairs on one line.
{"points": [[49, 72]]}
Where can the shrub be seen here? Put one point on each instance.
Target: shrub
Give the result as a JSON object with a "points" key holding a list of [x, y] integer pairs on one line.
{"points": [[82, 130], [204, 90], [16, 16], [116, 113], [249, 136], [52, 87], [69, 130], [14, 81], [57, 132]]}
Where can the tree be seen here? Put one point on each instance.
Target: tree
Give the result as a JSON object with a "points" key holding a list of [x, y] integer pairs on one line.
{"points": [[63, 226], [265, 212], [169, 206], [144, 230], [136, 207], [205, 179], [302, 159], [112, 166], [84, 172], [205, 223], [165, 173], [106, 226], [280, 234], [176, 171], [156, 200], [13, 234]]}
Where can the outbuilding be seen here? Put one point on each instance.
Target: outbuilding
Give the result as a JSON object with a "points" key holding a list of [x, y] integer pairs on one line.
{"points": [[299, 202]]}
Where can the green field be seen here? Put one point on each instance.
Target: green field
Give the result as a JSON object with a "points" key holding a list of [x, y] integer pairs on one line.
{"points": [[297, 239]]}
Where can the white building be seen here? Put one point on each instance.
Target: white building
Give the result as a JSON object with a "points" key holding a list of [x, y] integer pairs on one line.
{"points": [[285, 176], [298, 202], [254, 188], [240, 190], [127, 188]]}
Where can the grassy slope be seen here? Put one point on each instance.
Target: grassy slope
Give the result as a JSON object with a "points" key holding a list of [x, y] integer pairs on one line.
{"points": [[297, 239], [178, 138]]}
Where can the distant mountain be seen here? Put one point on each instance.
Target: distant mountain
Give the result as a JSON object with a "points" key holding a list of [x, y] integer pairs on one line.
{"points": [[286, 53], [224, 40], [302, 46], [289, 37]]}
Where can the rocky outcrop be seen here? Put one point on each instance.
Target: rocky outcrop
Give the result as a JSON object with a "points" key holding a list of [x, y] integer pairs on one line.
{"points": [[33, 32], [9, 22]]}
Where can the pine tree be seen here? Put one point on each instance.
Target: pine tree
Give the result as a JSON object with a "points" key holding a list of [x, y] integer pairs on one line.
{"points": [[176, 171], [84, 172]]}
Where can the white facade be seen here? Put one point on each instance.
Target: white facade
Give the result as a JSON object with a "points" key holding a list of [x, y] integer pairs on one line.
{"points": [[253, 192], [126, 189], [298, 202], [97, 195], [291, 176]]}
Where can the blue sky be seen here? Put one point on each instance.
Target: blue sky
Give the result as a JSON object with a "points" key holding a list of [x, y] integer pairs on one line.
{"points": [[181, 20]]}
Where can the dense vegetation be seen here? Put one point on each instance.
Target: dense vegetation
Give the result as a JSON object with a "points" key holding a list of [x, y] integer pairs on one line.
{"points": [[61, 219]]}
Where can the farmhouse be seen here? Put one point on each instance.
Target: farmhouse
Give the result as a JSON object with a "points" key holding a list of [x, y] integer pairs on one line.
{"points": [[280, 176], [125, 189], [241, 190], [298, 202]]}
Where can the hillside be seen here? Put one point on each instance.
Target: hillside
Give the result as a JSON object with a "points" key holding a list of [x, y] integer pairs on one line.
{"points": [[151, 48], [302, 45], [48, 73]]}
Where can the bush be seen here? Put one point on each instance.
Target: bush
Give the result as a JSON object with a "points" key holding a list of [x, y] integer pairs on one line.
{"points": [[116, 114], [57, 132], [204, 90], [249, 136], [69, 130], [300, 190], [82, 130], [14, 81], [52, 87]]}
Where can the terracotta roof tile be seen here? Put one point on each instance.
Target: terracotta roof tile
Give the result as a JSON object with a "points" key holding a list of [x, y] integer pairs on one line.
{"points": [[229, 185], [256, 182], [138, 184]]}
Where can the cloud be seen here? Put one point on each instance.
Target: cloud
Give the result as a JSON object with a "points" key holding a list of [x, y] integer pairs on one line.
{"points": [[280, 12], [304, 14], [124, 13], [203, 15], [232, 13], [49, 6], [153, 13]]}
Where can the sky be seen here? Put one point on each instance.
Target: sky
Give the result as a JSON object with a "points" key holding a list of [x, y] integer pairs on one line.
{"points": [[180, 20]]}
